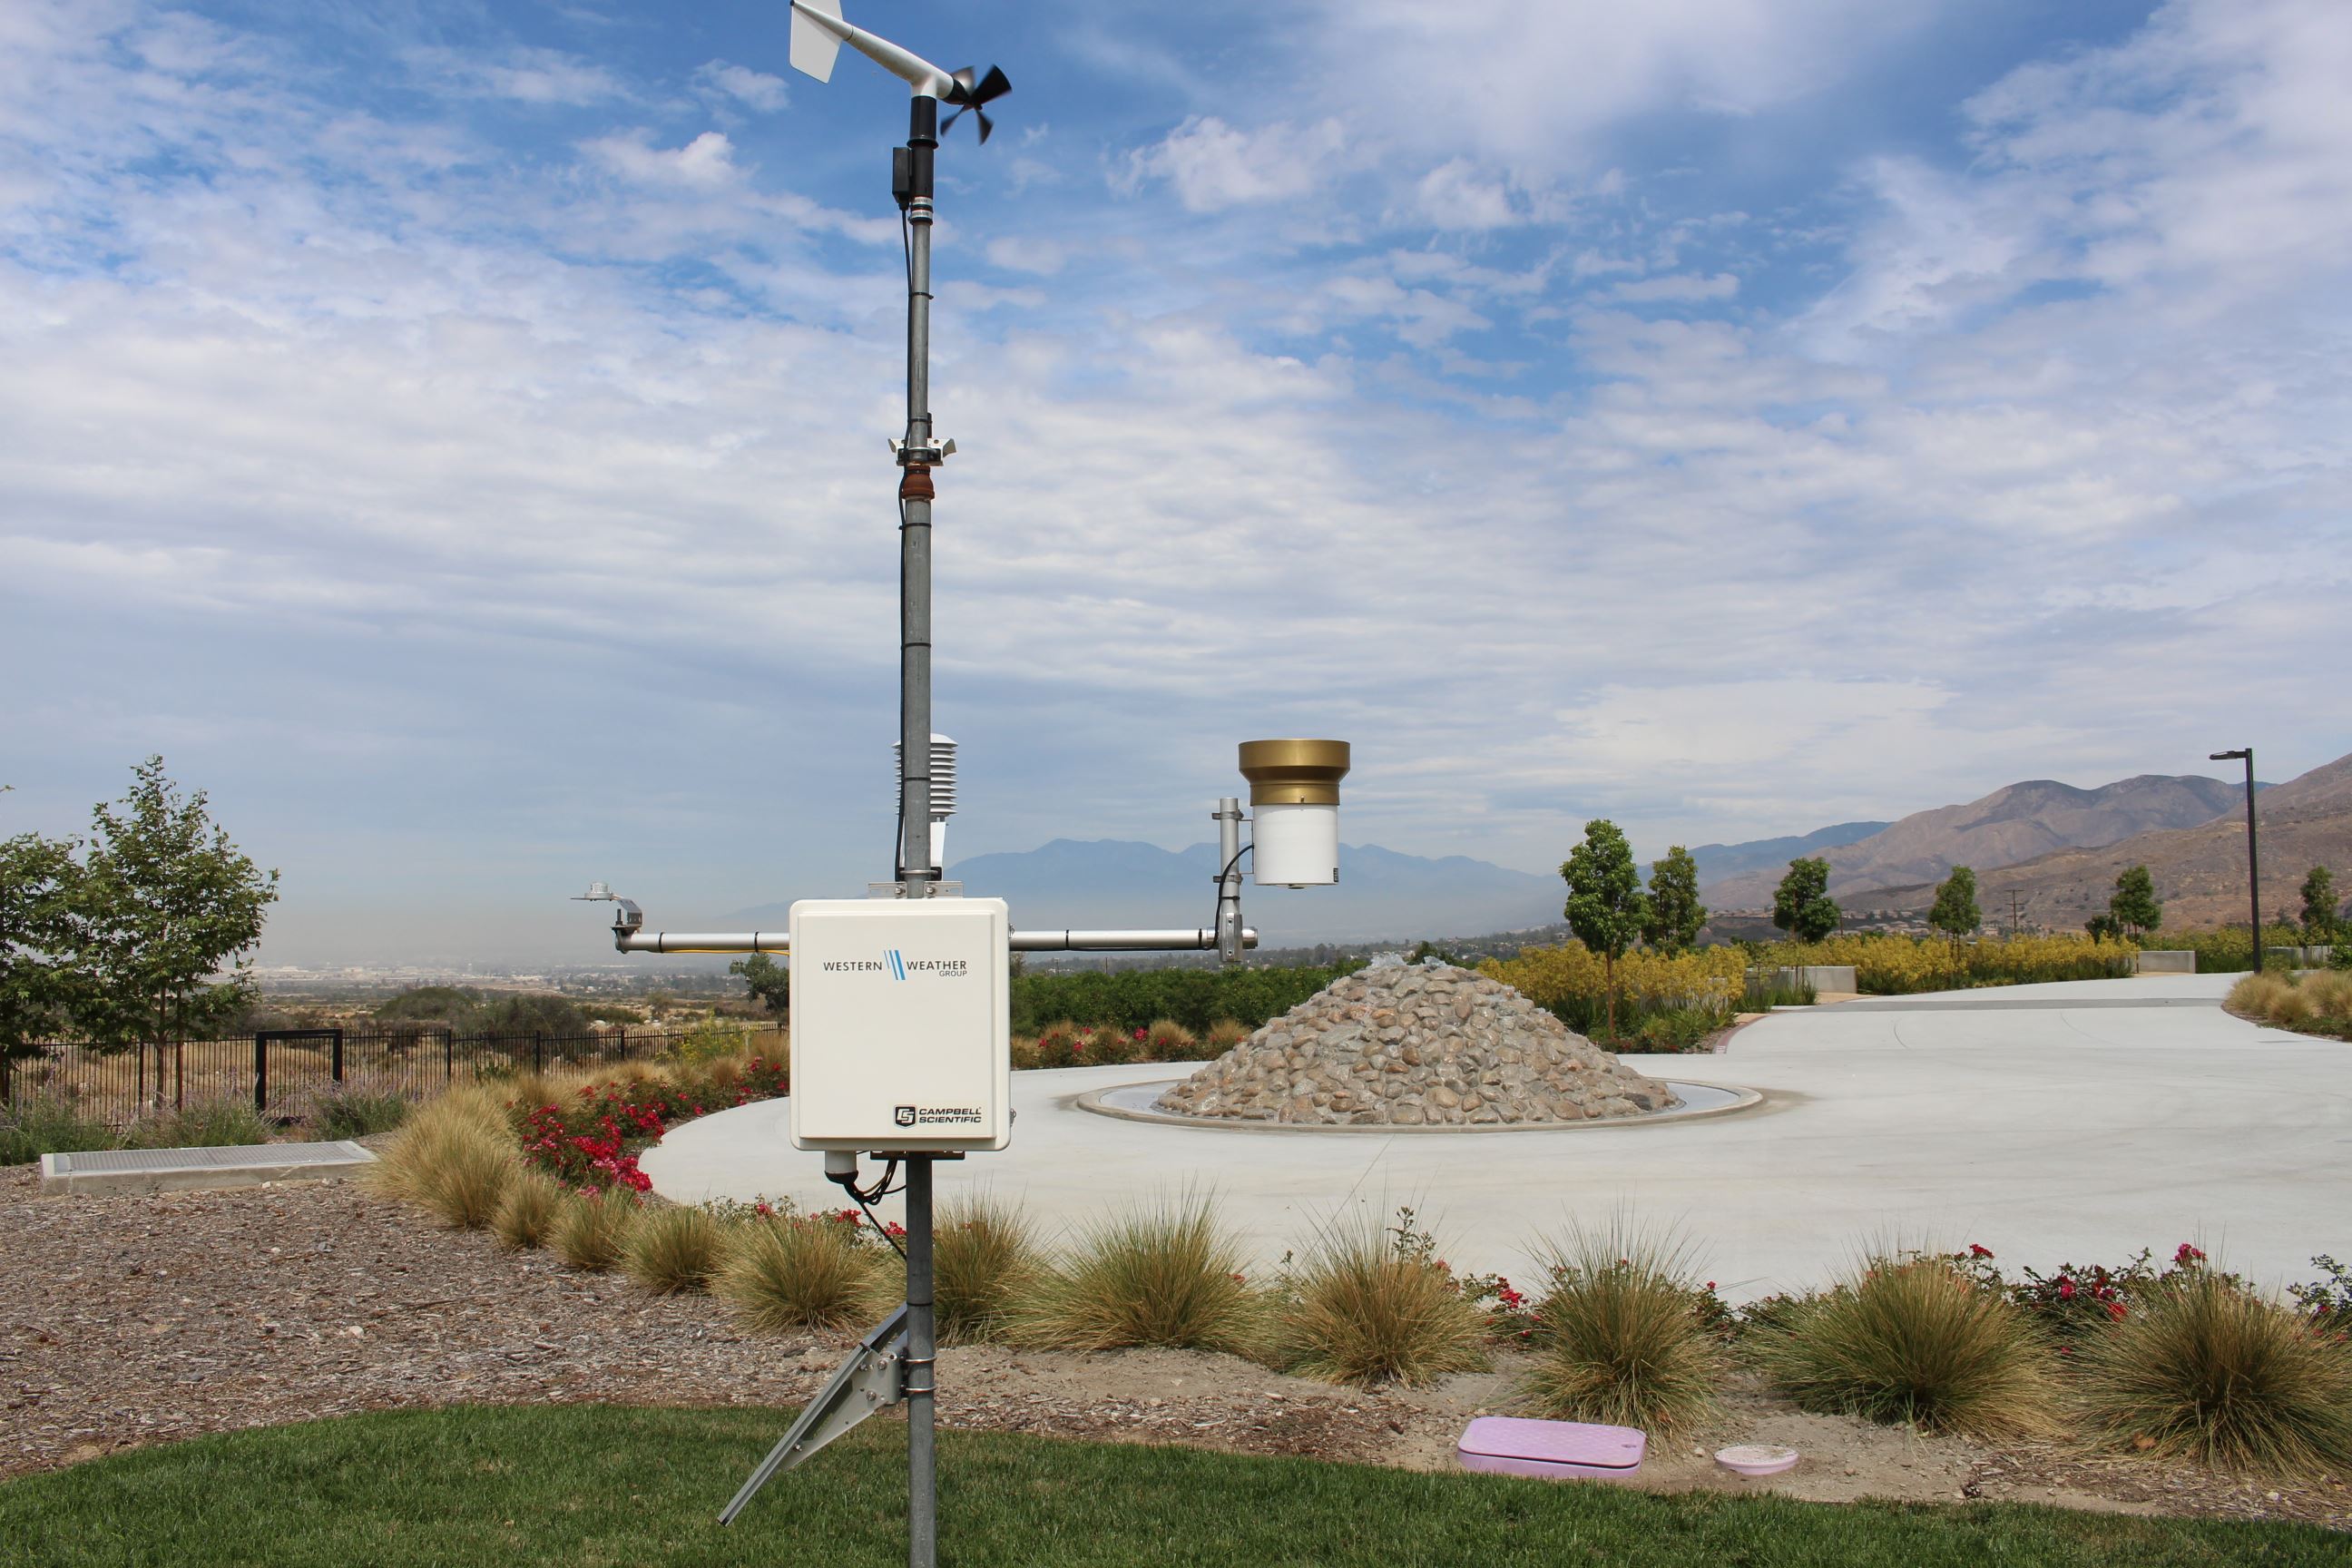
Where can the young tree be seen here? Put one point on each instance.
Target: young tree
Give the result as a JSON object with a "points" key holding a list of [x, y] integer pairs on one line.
{"points": [[39, 881], [1803, 906], [767, 981], [165, 901], [1956, 913], [2104, 926], [1675, 913], [2319, 905], [2135, 904], [1605, 906]]}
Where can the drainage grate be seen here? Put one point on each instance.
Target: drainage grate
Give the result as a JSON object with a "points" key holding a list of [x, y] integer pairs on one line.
{"points": [[158, 1170]]}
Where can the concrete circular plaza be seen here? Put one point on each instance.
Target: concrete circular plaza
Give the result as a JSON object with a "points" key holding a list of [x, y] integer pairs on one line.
{"points": [[2064, 1123]]}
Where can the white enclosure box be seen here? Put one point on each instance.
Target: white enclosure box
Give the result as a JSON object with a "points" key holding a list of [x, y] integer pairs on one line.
{"points": [[902, 1024]]}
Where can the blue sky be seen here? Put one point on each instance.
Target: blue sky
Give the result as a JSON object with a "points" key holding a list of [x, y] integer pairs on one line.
{"points": [[453, 435]]}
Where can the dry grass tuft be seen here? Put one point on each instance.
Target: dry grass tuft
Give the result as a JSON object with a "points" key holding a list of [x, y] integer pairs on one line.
{"points": [[1357, 1309], [1913, 1340], [790, 1272], [527, 1213], [984, 1257], [592, 1230], [1166, 1275], [673, 1250], [454, 1158], [1223, 1035], [1618, 1337], [2207, 1370], [1170, 1041]]}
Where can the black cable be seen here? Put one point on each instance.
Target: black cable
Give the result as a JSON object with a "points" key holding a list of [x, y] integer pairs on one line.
{"points": [[1221, 883]]}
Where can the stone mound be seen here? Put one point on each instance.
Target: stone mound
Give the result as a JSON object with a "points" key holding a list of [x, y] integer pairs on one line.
{"points": [[1412, 1046]]}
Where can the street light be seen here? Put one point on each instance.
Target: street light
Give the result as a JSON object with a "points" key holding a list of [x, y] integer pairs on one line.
{"points": [[2254, 865]]}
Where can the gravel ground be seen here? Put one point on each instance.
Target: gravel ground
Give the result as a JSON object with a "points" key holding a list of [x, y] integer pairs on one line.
{"points": [[134, 1319]]}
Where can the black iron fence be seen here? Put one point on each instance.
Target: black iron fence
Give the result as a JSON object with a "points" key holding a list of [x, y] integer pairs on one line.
{"points": [[286, 1073]]}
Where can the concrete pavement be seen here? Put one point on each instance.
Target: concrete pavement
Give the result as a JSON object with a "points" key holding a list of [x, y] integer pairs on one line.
{"points": [[2078, 1121]]}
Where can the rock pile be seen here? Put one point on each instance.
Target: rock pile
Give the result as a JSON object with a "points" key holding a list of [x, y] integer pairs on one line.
{"points": [[1410, 1046]]}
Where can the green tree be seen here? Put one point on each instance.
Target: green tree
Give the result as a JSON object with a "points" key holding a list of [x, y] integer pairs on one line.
{"points": [[2319, 905], [40, 884], [1675, 913], [2104, 925], [168, 908], [768, 982], [2135, 904], [1955, 913], [1606, 907], [1802, 905]]}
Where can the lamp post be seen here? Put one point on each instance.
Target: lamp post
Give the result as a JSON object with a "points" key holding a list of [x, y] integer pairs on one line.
{"points": [[2254, 865]]}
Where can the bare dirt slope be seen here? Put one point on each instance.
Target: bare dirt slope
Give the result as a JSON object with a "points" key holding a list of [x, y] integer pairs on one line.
{"points": [[2017, 822]]}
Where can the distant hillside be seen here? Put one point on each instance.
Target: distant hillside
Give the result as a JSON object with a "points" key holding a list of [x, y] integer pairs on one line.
{"points": [[1720, 862], [2016, 823], [2200, 871], [1382, 894]]}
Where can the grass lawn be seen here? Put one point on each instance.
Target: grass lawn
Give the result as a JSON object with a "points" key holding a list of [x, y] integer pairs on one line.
{"points": [[610, 1486]]}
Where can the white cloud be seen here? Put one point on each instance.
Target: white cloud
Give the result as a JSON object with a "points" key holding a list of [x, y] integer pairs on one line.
{"points": [[1678, 289], [1027, 253], [1212, 165], [704, 163], [536, 76], [753, 89], [1454, 196]]}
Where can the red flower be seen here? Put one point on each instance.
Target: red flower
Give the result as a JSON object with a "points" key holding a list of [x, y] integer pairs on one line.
{"points": [[2065, 1290], [2187, 1255], [1976, 1251]]}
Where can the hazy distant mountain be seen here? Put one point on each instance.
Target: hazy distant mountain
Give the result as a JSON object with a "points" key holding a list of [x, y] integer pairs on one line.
{"points": [[2200, 871], [1720, 862], [2013, 824], [1382, 894]]}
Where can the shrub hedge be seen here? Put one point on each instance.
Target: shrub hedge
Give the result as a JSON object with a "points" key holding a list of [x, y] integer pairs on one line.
{"points": [[1137, 998]]}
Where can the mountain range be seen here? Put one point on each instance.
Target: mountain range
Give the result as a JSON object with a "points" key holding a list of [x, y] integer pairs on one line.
{"points": [[2017, 822], [2058, 847]]}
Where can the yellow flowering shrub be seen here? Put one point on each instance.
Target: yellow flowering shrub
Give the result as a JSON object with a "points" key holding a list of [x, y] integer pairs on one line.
{"points": [[1572, 979], [1892, 965]]}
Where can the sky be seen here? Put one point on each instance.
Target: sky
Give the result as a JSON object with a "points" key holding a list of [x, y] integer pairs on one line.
{"points": [[453, 435]]}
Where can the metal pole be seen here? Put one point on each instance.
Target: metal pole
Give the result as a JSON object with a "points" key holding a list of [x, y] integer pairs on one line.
{"points": [[922, 1452], [2253, 862], [1229, 880], [260, 1075], [914, 494]]}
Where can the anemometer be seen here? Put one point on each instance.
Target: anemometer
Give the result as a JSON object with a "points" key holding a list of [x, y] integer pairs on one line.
{"points": [[900, 1002]]}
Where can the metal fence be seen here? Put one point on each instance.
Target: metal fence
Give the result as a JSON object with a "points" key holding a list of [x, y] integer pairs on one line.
{"points": [[286, 1073]]}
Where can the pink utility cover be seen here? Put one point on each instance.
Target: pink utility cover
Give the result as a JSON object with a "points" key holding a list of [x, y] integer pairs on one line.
{"points": [[1508, 1445]]}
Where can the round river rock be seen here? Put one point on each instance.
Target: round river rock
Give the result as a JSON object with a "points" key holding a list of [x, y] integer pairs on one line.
{"points": [[1413, 1046]]}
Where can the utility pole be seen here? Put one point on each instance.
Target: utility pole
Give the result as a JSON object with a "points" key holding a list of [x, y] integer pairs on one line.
{"points": [[2254, 861]]}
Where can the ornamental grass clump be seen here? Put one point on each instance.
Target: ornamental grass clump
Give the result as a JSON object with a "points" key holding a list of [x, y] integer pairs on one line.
{"points": [[1169, 1041], [2206, 1369], [1222, 1036], [456, 1158], [673, 1250], [984, 1257], [347, 1114], [793, 1271], [213, 1124], [1624, 1335], [1914, 1340], [525, 1214], [1363, 1307], [592, 1228], [1165, 1275], [35, 1127]]}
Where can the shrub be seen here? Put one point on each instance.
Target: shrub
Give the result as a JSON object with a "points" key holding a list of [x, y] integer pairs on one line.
{"points": [[2319, 1003], [1625, 1335], [1169, 1041], [984, 1257], [672, 1250], [35, 1127], [1110, 1045], [712, 1039], [592, 1228], [1166, 1275], [2212, 1370], [525, 1214], [1196, 998], [793, 1271], [1914, 1340], [1060, 1046], [1571, 982], [1365, 1307], [1888, 964], [454, 1157], [1222, 1036], [213, 1124], [2326, 1301], [345, 1114]]}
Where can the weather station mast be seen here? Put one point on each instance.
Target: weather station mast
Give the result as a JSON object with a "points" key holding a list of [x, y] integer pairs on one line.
{"points": [[899, 1011]]}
